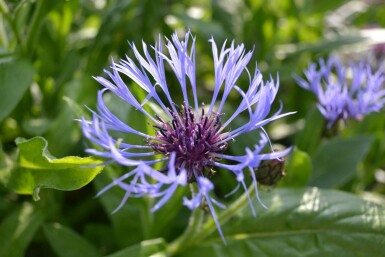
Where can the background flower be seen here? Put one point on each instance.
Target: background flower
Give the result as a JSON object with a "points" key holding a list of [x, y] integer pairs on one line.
{"points": [[344, 92]]}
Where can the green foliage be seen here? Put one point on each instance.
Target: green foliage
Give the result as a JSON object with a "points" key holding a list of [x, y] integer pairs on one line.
{"points": [[37, 169], [67, 243], [15, 78], [309, 138], [132, 211], [49, 52], [298, 169], [18, 229], [145, 248], [331, 168], [301, 222]]}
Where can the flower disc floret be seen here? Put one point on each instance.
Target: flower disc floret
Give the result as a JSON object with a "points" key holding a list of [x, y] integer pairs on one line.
{"points": [[195, 142]]}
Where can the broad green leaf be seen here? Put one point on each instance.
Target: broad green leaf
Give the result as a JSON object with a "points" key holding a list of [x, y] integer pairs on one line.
{"points": [[17, 230], [336, 160], [38, 169], [15, 77], [301, 222], [67, 243], [374, 125], [143, 249], [298, 169]]}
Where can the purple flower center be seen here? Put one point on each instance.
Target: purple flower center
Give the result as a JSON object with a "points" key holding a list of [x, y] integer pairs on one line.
{"points": [[194, 141]]}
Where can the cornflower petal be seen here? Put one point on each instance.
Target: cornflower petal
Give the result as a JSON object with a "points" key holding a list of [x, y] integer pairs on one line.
{"points": [[187, 143]]}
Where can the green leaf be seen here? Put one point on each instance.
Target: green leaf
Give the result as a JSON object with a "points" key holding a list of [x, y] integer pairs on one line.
{"points": [[76, 108], [65, 134], [336, 160], [309, 138], [17, 230], [143, 249], [298, 169], [38, 169], [67, 243], [301, 222], [5, 166], [15, 77]]}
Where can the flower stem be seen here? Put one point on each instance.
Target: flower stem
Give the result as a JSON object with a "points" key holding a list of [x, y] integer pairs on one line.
{"points": [[196, 232], [194, 224], [209, 227]]}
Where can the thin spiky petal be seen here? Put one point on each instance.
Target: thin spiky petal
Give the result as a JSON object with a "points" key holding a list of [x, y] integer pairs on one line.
{"points": [[189, 142]]}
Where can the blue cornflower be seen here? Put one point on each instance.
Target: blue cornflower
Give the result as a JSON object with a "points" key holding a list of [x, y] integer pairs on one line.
{"points": [[344, 92], [189, 140]]}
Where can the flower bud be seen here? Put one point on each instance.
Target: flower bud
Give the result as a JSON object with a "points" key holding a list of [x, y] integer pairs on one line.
{"points": [[270, 172]]}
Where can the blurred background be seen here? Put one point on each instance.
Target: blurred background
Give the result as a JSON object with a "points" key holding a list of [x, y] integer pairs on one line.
{"points": [[50, 51]]}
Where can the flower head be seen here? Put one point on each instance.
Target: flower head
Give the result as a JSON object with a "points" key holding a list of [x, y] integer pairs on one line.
{"points": [[189, 140], [344, 92]]}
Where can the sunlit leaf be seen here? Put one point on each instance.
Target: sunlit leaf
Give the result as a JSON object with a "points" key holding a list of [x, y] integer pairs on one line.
{"points": [[37, 169], [301, 222]]}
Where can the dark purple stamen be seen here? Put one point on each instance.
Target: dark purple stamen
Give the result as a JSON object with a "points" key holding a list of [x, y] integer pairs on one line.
{"points": [[195, 142]]}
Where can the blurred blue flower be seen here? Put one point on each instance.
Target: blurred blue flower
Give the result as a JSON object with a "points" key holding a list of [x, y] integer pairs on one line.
{"points": [[190, 140], [344, 92]]}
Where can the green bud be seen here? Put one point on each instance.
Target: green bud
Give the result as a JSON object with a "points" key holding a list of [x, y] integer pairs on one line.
{"points": [[270, 172]]}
